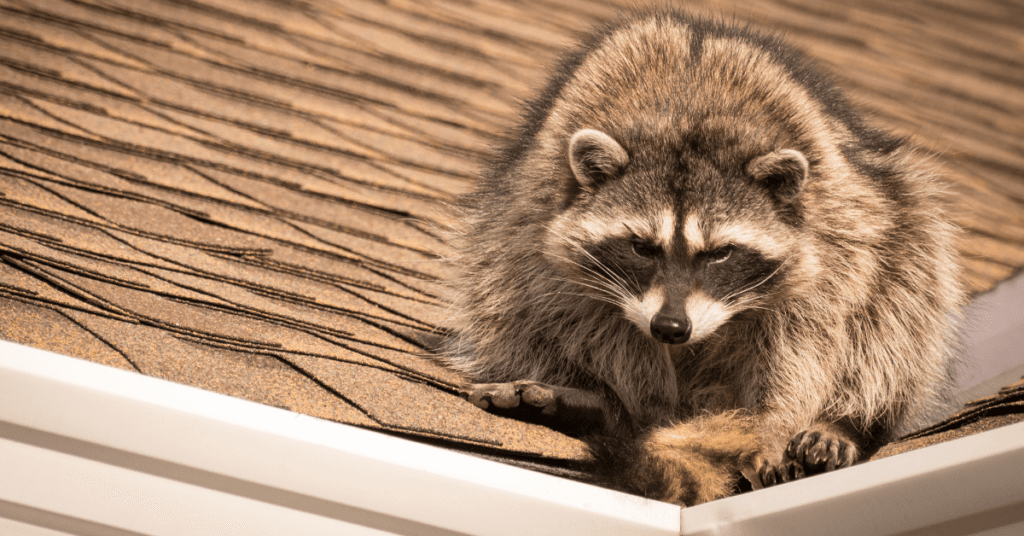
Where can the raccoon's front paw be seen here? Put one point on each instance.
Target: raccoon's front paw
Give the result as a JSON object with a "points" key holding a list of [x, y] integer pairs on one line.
{"points": [[819, 450], [510, 395], [568, 410]]}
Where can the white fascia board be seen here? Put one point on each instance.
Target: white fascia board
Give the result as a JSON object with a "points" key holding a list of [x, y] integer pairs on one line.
{"points": [[86, 448]]}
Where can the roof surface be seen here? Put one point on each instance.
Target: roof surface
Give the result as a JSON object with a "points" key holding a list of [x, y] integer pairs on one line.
{"points": [[1003, 408], [246, 196]]}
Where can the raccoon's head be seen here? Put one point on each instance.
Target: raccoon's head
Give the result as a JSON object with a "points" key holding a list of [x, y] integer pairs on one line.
{"points": [[681, 243]]}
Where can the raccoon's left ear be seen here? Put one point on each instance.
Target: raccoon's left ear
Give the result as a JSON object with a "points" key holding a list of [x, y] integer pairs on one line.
{"points": [[595, 157], [783, 172]]}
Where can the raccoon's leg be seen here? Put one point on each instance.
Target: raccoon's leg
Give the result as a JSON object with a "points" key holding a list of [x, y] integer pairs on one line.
{"points": [[568, 410], [696, 461], [821, 447]]}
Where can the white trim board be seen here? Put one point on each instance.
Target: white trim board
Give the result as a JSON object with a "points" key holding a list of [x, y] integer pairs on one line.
{"points": [[119, 451], [87, 449]]}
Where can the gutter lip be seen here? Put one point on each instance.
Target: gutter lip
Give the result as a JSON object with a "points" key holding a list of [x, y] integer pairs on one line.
{"points": [[166, 430]]}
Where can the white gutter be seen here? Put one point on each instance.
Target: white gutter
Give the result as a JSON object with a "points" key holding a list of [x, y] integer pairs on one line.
{"points": [[87, 449], [970, 485]]}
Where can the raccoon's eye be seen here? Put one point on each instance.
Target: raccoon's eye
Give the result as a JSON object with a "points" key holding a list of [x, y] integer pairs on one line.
{"points": [[645, 249], [719, 255]]}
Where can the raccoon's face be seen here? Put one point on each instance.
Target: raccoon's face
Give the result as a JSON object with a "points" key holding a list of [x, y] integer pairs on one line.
{"points": [[680, 255]]}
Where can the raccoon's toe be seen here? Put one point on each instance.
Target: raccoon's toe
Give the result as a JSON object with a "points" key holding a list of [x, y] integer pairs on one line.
{"points": [[538, 395], [780, 473], [818, 451], [483, 395], [511, 395], [568, 410]]}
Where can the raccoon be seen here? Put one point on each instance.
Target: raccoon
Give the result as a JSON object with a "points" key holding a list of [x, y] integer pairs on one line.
{"points": [[694, 245]]}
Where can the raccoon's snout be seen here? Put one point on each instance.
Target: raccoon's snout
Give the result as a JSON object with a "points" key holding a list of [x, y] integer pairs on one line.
{"points": [[668, 330]]}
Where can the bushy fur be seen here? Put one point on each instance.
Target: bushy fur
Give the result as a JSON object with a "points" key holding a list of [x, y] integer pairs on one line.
{"points": [[847, 341]]}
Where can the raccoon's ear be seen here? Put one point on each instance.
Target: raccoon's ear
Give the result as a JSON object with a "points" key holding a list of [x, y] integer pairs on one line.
{"points": [[783, 172], [594, 157]]}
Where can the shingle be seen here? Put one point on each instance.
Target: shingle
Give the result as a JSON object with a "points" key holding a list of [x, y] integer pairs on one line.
{"points": [[44, 327], [232, 370], [403, 404], [1001, 409], [21, 279]]}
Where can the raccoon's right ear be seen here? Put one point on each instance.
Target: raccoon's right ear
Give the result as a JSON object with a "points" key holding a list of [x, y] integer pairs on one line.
{"points": [[594, 157], [783, 172]]}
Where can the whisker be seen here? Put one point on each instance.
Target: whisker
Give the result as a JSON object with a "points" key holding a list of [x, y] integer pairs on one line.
{"points": [[613, 286], [602, 294], [600, 285], [598, 278], [758, 284], [609, 274]]}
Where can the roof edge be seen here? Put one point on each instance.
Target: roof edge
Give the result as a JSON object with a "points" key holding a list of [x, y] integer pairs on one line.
{"points": [[116, 443], [143, 455]]}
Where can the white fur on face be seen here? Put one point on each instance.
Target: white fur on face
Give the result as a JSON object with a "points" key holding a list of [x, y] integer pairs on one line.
{"points": [[568, 233], [705, 314], [640, 311], [666, 229], [693, 234], [598, 229], [745, 234], [700, 236], [659, 229]]}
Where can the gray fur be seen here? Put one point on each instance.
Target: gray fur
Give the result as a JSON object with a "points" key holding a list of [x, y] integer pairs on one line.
{"points": [[840, 319]]}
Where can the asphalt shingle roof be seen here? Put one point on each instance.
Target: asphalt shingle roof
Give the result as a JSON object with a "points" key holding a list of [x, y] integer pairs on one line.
{"points": [[247, 196]]}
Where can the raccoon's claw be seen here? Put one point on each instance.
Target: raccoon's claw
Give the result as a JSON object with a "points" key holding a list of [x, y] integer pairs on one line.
{"points": [[818, 451], [772, 474], [752, 473]]}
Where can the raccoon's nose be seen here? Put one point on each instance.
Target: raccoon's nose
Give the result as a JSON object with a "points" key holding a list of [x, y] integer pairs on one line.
{"points": [[670, 330]]}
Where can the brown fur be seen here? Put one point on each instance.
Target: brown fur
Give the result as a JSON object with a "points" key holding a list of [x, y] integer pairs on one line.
{"points": [[698, 142]]}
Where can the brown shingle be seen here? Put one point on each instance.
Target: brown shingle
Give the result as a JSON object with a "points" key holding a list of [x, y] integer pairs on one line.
{"points": [[1001, 409], [44, 327]]}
